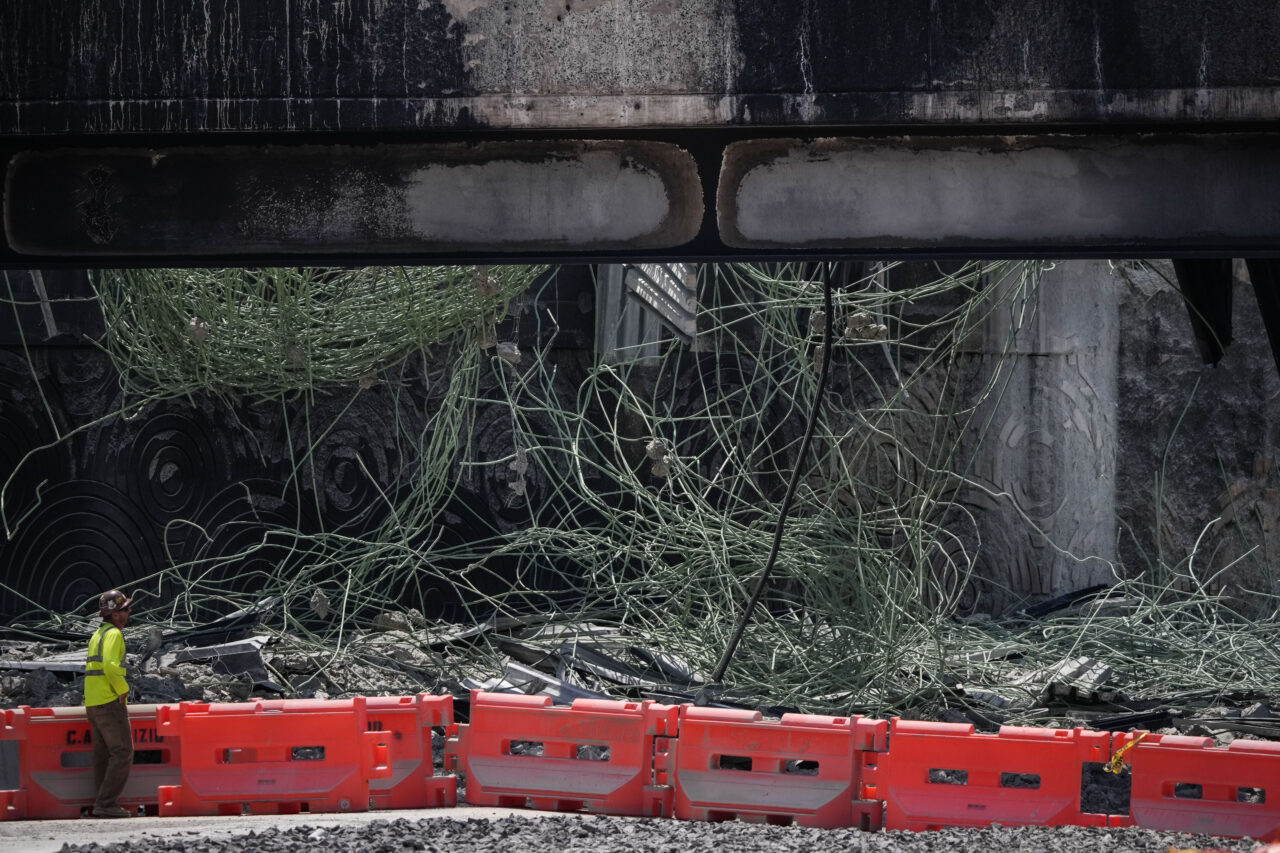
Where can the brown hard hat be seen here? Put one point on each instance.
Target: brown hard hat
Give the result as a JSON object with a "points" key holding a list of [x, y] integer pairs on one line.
{"points": [[112, 601]]}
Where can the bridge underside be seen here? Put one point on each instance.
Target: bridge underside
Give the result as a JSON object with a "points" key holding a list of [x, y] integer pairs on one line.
{"points": [[205, 131], [360, 132]]}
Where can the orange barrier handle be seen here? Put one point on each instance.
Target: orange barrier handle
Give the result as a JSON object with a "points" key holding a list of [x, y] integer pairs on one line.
{"points": [[15, 723], [380, 757]]}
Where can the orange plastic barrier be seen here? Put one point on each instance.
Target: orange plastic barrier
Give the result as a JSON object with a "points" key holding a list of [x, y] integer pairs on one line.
{"points": [[1187, 784], [597, 755], [803, 768], [945, 774], [407, 722], [273, 757], [54, 750]]}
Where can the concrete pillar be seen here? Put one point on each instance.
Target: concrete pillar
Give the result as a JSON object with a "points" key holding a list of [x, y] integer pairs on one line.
{"points": [[1043, 451]]}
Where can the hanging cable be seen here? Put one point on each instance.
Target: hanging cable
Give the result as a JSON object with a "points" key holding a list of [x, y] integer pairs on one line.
{"points": [[763, 583]]}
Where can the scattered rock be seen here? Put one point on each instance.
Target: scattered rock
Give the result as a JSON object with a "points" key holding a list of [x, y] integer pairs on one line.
{"points": [[595, 833], [320, 604], [392, 622], [39, 684]]}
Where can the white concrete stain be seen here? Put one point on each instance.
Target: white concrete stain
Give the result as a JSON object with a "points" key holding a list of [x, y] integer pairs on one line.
{"points": [[459, 10], [1099, 80], [1202, 74], [895, 196], [583, 201], [807, 100], [643, 47]]}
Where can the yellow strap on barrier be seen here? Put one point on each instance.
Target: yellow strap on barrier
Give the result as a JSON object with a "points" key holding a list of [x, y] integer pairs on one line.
{"points": [[1117, 761]]}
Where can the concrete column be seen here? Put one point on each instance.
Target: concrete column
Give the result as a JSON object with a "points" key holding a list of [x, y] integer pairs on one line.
{"points": [[1043, 452]]}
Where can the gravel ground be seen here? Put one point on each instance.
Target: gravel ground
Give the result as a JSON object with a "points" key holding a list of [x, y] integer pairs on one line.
{"points": [[599, 835]]}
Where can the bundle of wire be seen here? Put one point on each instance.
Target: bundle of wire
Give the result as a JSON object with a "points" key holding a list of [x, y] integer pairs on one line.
{"points": [[646, 495]]}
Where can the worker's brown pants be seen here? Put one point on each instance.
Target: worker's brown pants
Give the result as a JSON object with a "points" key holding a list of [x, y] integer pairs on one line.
{"points": [[112, 751]]}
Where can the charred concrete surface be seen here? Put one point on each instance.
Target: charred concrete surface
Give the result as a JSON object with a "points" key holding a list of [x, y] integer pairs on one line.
{"points": [[696, 75], [191, 65], [519, 196]]}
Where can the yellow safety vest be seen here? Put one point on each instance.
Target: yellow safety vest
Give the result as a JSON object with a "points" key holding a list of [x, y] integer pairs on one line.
{"points": [[104, 669]]}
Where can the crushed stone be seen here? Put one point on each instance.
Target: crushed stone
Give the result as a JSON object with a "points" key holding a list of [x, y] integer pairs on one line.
{"points": [[602, 834]]}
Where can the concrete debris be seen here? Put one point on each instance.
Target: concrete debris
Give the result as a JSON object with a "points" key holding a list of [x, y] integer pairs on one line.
{"points": [[509, 352], [674, 667], [986, 697], [154, 640], [198, 329], [1076, 680], [51, 664], [861, 326], [217, 653], [817, 323], [1259, 710], [230, 627], [518, 678], [400, 653], [320, 604], [241, 659]]}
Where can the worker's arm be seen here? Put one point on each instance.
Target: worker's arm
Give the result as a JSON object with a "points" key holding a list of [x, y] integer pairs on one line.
{"points": [[113, 662]]}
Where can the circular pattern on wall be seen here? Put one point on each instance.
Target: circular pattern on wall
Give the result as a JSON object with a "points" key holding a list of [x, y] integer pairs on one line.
{"points": [[508, 484], [1040, 444], [84, 538], [87, 383], [886, 455], [985, 528], [242, 539], [349, 458], [24, 427], [170, 460], [1035, 476]]}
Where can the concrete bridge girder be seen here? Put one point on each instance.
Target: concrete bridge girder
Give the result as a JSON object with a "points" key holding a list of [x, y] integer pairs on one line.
{"points": [[878, 196], [242, 200]]}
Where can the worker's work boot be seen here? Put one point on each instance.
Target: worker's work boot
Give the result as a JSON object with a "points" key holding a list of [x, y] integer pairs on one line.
{"points": [[111, 811]]}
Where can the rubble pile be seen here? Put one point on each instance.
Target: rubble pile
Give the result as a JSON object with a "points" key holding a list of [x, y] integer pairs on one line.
{"points": [[246, 655], [601, 834]]}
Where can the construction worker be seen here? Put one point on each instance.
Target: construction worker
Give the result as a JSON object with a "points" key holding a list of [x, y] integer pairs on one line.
{"points": [[105, 703]]}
